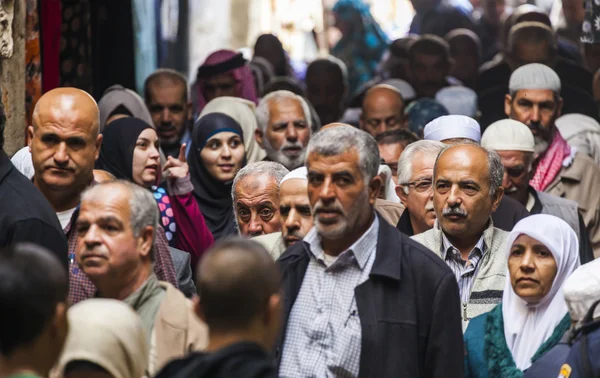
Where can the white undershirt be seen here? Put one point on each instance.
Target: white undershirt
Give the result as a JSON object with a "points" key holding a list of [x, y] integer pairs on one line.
{"points": [[64, 217]]}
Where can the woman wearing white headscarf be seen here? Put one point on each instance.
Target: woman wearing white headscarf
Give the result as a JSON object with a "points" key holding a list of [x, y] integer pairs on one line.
{"points": [[106, 337], [242, 111], [542, 251]]}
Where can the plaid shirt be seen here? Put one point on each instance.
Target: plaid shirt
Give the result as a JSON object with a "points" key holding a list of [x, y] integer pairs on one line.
{"points": [[81, 287]]}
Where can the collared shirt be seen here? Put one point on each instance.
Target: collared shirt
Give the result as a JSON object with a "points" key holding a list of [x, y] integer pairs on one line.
{"points": [[464, 273], [323, 336]]}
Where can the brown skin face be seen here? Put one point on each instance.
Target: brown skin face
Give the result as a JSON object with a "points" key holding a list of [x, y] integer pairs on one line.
{"points": [[428, 73], [326, 94], [64, 145], [462, 184], [532, 269], [169, 110], [257, 205], [219, 86], [108, 252], [287, 133], [526, 53], [466, 62], [294, 210], [537, 108], [390, 153], [419, 200], [516, 173], [382, 110], [493, 10], [341, 200]]}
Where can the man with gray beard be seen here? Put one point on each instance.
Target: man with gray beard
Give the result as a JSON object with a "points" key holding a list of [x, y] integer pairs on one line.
{"points": [[557, 169], [284, 128], [467, 188]]}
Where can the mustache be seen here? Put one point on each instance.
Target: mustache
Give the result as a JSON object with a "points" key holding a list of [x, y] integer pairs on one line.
{"points": [[65, 167], [333, 207], [510, 190], [288, 144], [454, 211], [96, 250]]}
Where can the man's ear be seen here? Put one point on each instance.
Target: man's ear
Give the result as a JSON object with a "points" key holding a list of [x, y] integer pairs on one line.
{"points": [[274, 310], [258, 135], [30, 131], [374, 187], [98, 145], [402, 195], [496, 198], [145, 241], [59, 327], [507, 105]]}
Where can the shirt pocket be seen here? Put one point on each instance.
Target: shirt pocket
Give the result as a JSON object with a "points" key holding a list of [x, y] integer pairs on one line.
{"points": [[346, 352]]}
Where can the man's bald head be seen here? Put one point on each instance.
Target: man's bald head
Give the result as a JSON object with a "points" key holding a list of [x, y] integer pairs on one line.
{"points": [[237, 280], [70, 105], [382, 110]]}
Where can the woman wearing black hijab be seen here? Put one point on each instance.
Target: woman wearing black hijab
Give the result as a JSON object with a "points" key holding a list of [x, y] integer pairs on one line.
{"points": [[130, 151], [216, 155]]}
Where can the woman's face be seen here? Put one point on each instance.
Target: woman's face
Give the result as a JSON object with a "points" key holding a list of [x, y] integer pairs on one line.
{"points": [[532, 269], [146, 159], [223, 155]]}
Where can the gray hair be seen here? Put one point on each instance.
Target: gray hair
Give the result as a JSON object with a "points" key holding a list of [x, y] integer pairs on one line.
{"points": [[340, 139], [495, 167], [262, 110], [270, 168], [142, 205], [429, 147]]}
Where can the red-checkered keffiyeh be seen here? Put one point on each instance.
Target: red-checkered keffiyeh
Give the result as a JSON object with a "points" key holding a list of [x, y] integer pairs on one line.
{"points": [[551, 163]]}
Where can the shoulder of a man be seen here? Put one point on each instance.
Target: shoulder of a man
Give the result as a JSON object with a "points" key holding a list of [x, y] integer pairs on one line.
{"points": [[38, 231], [429, 239]]}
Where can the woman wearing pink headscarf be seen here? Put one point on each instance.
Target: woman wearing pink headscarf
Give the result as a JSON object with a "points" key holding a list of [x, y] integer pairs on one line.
{"points": [[223, 73]]}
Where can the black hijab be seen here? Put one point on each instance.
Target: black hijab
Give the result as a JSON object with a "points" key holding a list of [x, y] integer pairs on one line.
{"points": [[118, 143], [213, 196]]}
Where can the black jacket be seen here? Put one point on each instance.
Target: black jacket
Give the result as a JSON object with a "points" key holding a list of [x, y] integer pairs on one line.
{"points": [[241, 360], [26, 215], [409, 309]]}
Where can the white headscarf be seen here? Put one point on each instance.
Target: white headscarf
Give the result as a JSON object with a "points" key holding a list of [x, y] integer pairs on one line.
{"points": [[243, 112], [528, 326], [109, 334]]}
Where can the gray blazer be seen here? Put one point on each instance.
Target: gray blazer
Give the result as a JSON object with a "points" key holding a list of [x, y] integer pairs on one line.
{"points": [[183, 269]]}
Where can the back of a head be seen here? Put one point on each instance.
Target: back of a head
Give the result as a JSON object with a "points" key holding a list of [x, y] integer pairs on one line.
{"points": [[32, 284], [402, 136], [236, 280], [284, 83], [327, 67], [582, 290], [429, 45]]}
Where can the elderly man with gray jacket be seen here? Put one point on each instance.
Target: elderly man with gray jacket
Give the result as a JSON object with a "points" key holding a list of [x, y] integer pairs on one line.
{"points": [[467, 188]]}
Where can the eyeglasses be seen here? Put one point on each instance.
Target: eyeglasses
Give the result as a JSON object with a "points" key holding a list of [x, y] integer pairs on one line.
{"points": [[420, 186]]}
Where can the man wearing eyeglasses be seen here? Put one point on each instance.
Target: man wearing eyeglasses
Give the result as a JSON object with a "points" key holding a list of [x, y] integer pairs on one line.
{"points": [[515, 144], [166, 96], [382, 110], [415, 174]]}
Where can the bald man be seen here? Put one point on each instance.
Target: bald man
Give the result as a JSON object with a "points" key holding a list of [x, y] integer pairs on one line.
{"points": [[382, 110], [65, 144], [240, 337]]}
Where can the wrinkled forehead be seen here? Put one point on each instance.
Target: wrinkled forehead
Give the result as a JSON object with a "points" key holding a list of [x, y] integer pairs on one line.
{"points": [[105, 201], [463, 163]]}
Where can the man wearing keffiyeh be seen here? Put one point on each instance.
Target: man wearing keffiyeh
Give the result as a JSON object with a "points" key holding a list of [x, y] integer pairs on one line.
{"points": [[558, 169]]}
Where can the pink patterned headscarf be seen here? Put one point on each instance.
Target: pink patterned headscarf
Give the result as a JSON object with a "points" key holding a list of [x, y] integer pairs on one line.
{"points": [[219, 62], [551, 163]]}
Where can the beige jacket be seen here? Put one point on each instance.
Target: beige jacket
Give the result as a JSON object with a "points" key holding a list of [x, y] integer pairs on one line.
{"points": [[272, 243], [177, 329], [389, 210], [580, 182]]}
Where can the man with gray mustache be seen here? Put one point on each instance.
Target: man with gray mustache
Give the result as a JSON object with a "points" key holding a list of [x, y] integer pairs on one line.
{"points": [[284, 128], [467, 189]]}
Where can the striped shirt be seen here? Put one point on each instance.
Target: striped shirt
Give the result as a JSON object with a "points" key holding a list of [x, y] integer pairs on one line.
{"points": [[464, 271], [323, 337]]}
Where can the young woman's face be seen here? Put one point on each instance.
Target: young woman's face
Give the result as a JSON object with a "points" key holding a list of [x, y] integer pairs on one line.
{"points": [[223, 155], [146, 159]]}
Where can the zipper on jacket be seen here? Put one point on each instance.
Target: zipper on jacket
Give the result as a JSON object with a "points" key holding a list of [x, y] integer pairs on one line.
{"points": [[464, 305]]}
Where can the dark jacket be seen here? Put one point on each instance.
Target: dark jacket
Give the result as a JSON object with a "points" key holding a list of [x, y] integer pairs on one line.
{"points": [[509, 212], [25, 215], [241, 360], [409, 309]]}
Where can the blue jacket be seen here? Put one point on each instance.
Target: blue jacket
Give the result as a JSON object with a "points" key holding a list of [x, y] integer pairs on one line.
{"points": [[486, 352], [575, 362]]}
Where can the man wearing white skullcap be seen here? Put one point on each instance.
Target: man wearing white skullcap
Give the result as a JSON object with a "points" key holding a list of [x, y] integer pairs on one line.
{"points": [[294, 212], [534, 100], [452, 127], [514, 143], [458, 100]]}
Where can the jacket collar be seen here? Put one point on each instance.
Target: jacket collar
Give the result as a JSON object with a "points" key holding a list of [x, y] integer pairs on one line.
{"points": [[388, 253], [404, 224], [488, 235]]}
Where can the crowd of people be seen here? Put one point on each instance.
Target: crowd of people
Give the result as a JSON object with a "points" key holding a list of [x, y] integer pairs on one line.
{"points": [[424, 207]]}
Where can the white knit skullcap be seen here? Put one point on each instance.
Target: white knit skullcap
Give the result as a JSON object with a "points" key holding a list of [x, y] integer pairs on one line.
{"points": [[534, 76], [458, 100], [298, 173], [508, 135], [452, 126], [582, 289], [405, 89]]}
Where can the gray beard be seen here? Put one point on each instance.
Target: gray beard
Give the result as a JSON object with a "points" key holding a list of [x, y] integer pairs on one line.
{"points": [[540, 147], [281, 158]]}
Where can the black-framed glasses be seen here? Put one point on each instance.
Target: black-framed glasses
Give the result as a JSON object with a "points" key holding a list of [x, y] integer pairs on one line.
{"points": [[420, 185]]}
